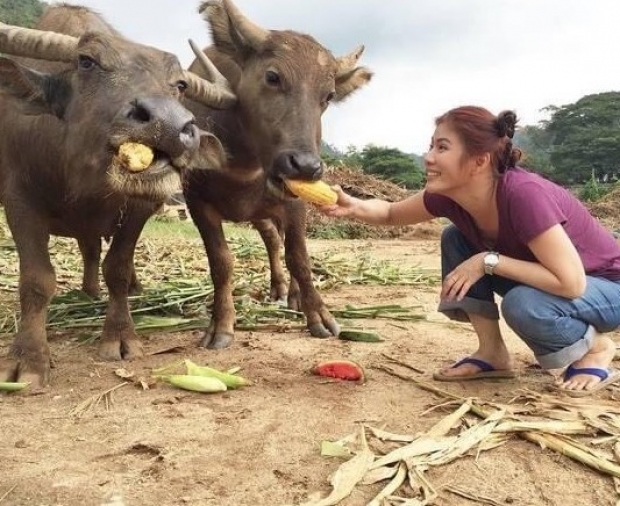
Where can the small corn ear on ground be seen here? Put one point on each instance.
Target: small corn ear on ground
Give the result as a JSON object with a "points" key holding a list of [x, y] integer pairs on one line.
{"points": [[315, 192], [134, 156], [9, 386], [230, 380], [195, 383]]}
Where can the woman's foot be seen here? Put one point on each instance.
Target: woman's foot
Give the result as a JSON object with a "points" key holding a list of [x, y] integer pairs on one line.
{"points": [[600, 356], [500, 362]]}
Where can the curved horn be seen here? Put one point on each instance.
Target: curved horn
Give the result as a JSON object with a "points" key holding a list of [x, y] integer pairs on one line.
{"points": [[210, 94], [347, 63], [253, 34], [43, 45], [213, 74]]}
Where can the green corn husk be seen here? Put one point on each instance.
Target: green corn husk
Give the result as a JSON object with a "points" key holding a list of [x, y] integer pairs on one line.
{"points": [[230, 380], [360, 335], [10, 386]]}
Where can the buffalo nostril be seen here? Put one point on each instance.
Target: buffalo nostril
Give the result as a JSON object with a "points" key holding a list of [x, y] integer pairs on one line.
{"points": [[189, 129], [292, 160], [188, 133], [139, 112], [318, 171]]}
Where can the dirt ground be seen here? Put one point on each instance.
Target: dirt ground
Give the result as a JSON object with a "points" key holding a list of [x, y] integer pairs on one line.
{"points": [[259, 446]]}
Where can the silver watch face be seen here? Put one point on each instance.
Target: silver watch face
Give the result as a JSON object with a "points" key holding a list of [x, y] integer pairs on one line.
{"points": [[491, 260]]}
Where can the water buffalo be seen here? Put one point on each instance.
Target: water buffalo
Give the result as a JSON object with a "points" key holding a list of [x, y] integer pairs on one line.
{"points": [[283, 81], [62, 122]]}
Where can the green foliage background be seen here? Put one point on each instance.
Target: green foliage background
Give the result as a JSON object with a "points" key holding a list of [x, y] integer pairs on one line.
{"points": [[21, 12]]}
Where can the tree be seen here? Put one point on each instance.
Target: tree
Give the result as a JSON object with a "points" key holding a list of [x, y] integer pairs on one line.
{"points": [[21, 12], [535, 142], [389, 163], [586, 139]]}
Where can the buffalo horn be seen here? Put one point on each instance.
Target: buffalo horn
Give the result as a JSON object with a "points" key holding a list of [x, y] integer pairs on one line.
{"points": [[347, 63], [39, 44], [213, 74], [212, 95], [253, 34]]}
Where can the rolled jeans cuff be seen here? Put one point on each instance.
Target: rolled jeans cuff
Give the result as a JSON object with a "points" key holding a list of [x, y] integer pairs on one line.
{"points": [[569, 354], [458, 310]]}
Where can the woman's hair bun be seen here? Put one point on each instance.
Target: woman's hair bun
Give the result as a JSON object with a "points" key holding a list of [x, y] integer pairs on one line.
{"points": [[506, 123]]}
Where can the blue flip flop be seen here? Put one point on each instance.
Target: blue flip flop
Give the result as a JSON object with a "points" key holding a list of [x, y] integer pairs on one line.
{"points": [[608, 376], [487, 371]]}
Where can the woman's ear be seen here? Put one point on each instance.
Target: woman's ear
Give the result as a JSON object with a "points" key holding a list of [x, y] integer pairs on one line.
{"points": [[483, 160]]}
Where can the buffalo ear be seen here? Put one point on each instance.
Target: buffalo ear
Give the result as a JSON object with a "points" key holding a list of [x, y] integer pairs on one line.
{"points": [[351, 81], [225, 37], [211, 155], [36, 92]]}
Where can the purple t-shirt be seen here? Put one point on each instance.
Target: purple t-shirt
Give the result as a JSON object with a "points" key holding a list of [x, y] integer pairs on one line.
{"points": [[529, 205]]}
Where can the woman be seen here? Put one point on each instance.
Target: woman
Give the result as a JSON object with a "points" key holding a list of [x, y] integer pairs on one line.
{"points": [[521, 236]]}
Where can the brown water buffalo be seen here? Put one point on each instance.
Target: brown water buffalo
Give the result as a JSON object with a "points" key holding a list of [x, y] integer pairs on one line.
{"points": [[284, 81], [60, 127]]}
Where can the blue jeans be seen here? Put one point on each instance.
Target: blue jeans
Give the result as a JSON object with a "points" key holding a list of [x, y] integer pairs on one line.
{"points": [[558, 330]]}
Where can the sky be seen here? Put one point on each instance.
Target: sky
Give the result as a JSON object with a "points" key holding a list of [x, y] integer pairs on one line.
{"points": [[427, 55]]}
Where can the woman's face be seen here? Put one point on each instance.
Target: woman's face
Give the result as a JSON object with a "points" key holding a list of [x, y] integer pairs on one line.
{"points": [[445, 162]]}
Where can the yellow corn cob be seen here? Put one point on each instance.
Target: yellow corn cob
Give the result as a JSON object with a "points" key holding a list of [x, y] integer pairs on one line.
{"points": [[230, 380], [134, 156], [195, 383], [315, 192]]}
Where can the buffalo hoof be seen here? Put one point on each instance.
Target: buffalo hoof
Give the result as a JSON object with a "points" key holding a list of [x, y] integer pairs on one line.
{"points": [[26, 371], [321, 331], [120, 349], [278, 293], [135, 288], [293, 301], [282, 301], [215, 341], [92, 291]]}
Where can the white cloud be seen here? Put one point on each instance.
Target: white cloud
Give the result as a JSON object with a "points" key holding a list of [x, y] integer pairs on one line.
{"points": [[428, 56]]}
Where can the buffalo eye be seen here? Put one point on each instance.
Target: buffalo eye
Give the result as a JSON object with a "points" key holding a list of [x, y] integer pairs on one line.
{"points": [[181, 86], [86, 62], [330, 96], [272, 78]]}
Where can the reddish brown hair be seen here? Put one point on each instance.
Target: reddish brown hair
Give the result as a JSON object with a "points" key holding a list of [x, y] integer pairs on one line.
{"points": [[481, 132]]}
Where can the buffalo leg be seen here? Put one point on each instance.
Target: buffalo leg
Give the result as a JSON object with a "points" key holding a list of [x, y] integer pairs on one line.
{"points": [[320, 321], [273, 241], [220, 332], [119, 339], [90, 248], [135, 287], [29, 354]]}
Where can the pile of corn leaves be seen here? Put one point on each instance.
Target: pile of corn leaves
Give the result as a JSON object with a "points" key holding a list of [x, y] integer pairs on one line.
{"points": [[389, 469], [178, 288]]}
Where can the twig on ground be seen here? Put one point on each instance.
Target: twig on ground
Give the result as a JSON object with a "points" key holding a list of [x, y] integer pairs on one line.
{"points": [[4, 496], [404, 364], [94, 400], [471, 496]]}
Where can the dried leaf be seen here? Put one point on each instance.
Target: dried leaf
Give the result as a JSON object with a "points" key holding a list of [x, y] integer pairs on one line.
{"points": [[348, 475], [444, 425], [379, 474], [389, 436], [423, 445], [332, 449], [124, 373], [392, 486]]}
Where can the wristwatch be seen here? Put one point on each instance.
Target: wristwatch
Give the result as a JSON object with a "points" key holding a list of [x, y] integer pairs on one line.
{"points": [[491, 259]]}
